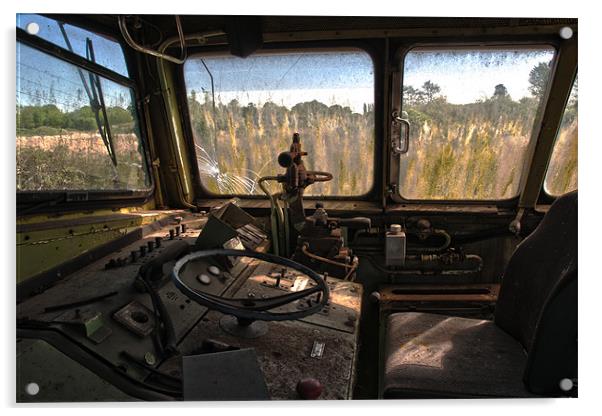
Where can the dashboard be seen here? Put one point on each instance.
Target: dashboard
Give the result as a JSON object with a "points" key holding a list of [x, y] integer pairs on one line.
{"points": [[96, 334]]}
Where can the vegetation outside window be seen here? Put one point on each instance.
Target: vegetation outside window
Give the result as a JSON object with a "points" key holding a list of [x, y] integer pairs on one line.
{"points": [[472, 114], [561, 176], [59, 142], [244, 112]]}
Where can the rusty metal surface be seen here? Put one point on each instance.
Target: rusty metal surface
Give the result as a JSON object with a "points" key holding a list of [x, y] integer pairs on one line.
{"points": [[44, 248], [429, 293], [342, 312], [96, 278], [285, 351], [358, 207], [284, 355], [62, 223]]}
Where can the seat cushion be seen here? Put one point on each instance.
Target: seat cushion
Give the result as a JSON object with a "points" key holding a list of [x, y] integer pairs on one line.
{"points": [[429, 355]]}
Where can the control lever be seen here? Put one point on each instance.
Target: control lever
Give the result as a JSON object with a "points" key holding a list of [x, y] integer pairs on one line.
{"points": [[153, 269]]}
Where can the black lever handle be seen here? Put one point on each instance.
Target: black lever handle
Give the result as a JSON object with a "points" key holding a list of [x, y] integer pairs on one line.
{"points": [[153, 269]]}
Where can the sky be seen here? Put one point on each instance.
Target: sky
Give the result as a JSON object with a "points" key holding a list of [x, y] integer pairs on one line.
{"points": [[107, 52], [38, 71], [467, 75], [347, 77], [344, 77]]}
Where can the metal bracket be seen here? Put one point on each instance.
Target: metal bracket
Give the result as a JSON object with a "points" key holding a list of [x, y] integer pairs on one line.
{"points": [[317, 350], [515, 225]]}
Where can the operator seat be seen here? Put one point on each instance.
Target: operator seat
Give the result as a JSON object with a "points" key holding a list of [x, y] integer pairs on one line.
{"points": [[526, 351]]}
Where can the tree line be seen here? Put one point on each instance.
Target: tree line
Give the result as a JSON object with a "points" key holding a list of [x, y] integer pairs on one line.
{"points": [[477, 150], [51, 120]]}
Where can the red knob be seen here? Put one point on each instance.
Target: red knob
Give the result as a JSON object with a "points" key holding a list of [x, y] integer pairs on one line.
{"points": [[309, 388]]}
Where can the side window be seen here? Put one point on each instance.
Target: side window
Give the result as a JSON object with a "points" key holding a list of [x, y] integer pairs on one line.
{"points": [[561, 176], [243, 113], [66, 140], [472, 113], [107, 52]]}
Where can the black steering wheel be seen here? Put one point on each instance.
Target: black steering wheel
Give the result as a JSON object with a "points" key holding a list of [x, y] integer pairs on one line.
{"points": [[253, 309]]}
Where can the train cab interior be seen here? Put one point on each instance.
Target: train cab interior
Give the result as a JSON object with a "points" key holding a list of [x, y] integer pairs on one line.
{"points": [[233, 207]]}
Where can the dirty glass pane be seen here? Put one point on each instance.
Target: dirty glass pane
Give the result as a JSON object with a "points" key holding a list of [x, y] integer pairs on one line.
{"points": [[107, 52], [257, 103], [562, 170], [59, 146], [472, 114]]}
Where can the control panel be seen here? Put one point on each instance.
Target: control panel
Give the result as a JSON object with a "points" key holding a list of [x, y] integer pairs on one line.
{"points": [[121, 323]]}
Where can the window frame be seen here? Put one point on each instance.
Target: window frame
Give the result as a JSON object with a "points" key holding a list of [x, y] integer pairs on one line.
{"points": [[96, 198], [545, 197], [396, 91], [201, 192]]}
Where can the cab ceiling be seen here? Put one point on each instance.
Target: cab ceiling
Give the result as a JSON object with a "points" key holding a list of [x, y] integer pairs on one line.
{"points": [[284, 24]]}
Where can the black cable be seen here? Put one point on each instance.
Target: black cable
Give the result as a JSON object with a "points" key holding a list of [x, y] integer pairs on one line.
{"points": [[41, 326], [168, 340]]}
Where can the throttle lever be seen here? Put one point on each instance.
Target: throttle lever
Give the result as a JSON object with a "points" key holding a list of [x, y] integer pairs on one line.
{"points": [[153, 269]]}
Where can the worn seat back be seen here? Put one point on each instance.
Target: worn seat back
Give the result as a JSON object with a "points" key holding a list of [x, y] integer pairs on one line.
{"points": [[537, 304]]}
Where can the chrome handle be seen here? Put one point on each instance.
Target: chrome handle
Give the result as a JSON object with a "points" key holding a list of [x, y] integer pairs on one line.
{"points": [[400, 145]]}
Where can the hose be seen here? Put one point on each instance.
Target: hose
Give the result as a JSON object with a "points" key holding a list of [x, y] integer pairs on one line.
{"points": [[443, 246], [352, 267], [324, 259]]}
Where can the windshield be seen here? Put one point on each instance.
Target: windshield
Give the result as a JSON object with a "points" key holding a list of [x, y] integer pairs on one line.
{"points": [[244, 112], [472, 113], [60, 140]]}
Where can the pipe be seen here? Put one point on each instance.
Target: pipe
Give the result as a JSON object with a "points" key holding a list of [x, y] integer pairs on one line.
{"points": [[456, 272], [442, 247], [324, 259], [352, 267], [378, 248], [132, 43], [320, 176]]}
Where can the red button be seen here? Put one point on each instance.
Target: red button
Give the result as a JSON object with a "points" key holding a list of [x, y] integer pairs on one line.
{"points": [[309, 388]]}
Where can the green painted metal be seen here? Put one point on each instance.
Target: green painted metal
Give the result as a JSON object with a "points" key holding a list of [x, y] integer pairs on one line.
{"points": [[44, 245], [58, 377]]}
